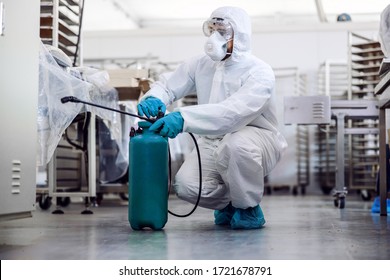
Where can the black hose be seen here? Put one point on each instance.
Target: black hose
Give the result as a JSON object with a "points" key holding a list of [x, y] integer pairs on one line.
{"points": [[200, 181]]}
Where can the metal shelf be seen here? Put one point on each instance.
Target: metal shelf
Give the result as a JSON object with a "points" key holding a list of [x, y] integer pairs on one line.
{"points": [[59, 24]]}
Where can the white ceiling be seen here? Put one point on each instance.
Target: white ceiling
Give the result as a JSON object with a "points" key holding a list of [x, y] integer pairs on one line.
{"points": [[135, 14]]}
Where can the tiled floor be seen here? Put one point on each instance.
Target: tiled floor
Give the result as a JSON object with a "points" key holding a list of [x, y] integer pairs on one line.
{"points": [[297, 228]]}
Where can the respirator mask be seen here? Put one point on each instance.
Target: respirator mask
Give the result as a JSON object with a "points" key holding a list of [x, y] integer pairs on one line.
{"points": [[219, 33]]}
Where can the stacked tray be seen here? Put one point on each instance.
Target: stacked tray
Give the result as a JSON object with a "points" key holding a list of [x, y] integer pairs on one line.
{"points": [[59, 24]]}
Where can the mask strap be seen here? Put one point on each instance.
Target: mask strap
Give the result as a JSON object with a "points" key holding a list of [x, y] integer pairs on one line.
{"points": [[228, 54]]}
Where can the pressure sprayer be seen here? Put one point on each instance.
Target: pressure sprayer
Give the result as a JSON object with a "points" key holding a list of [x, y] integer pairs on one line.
{"points": [[149, 173]]}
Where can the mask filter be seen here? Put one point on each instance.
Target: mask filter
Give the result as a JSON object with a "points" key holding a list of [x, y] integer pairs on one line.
{"points": [[216, 46]]}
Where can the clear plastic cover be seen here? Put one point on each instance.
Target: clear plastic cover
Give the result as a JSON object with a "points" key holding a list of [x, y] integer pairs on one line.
{"points": [[54, 117]]}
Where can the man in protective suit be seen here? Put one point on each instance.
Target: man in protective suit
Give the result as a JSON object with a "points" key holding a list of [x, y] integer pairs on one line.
{"points": [[235, 118]]}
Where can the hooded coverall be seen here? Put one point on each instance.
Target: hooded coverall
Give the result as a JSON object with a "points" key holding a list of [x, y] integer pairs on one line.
{"points": [[235, 118]]}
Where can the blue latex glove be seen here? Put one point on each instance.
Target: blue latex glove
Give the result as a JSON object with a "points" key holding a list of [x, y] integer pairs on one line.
{"points": [[150, 107], [170, 125]]}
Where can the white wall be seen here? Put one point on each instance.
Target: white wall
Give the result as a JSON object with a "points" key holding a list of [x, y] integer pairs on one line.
{"points": [[305, 47]]}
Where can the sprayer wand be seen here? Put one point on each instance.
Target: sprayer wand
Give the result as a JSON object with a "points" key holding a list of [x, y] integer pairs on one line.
{"points": [[73, 99]]}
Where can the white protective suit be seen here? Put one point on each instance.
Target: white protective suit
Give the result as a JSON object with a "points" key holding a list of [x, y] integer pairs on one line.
{"points": [[235, 117], [384, 31]]}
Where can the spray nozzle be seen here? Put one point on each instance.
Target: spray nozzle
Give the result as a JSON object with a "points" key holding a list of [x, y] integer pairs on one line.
{"points": [[67, 99]]}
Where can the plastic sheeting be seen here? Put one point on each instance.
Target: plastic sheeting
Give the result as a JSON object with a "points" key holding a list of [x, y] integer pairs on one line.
{"points": [[54, 117], [90, 85]]}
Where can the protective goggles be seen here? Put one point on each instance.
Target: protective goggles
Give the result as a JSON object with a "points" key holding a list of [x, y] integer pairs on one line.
{"points": [[218, 24]]}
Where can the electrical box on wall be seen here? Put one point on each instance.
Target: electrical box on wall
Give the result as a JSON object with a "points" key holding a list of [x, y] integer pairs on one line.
{"points": [[307, 109]]}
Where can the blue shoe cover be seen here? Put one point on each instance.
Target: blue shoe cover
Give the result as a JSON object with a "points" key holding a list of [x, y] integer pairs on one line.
{"points": [[223, 217], [250, 218], [375, 208]]}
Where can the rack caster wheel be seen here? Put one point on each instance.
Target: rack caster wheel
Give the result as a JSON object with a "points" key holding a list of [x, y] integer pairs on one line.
{"points": [[124, 196], [64, 201], [44, 202], [339, 202], [365, 195]]}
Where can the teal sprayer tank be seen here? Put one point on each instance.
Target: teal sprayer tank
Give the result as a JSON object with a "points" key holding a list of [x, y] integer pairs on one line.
{"points": [[148, 179]]}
